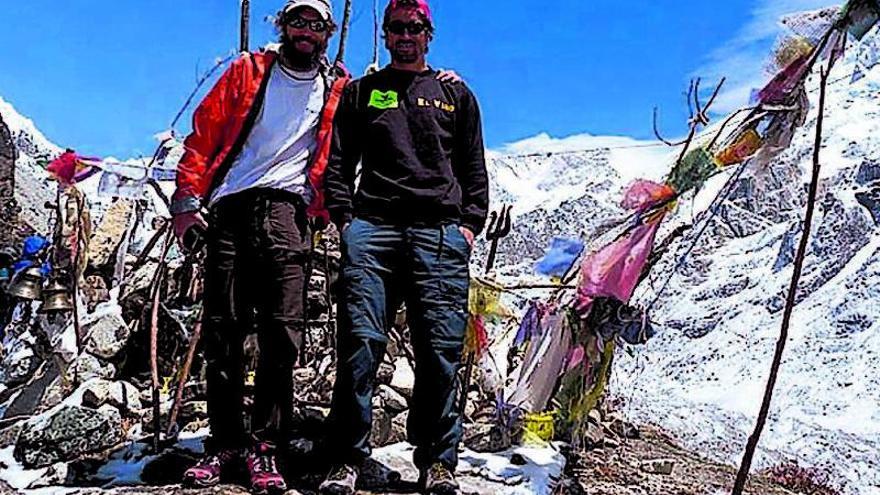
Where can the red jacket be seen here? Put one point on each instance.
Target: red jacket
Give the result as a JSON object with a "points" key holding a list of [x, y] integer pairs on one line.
{"points": [[223, 121]]}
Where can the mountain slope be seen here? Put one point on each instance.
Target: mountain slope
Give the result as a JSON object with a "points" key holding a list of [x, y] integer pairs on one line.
{"points": [[33, 187], [702, 377]]}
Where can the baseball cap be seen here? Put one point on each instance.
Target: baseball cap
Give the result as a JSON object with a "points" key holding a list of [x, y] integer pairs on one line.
{"points": [[420, 5], [321, 6]]}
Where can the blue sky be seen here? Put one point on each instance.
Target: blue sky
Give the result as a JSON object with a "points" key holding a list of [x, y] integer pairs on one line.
{"points": [[103, 77]]}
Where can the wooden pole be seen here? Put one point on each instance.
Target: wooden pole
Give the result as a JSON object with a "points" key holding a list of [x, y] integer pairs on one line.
{"points": [[77, 259], [245, 24], [156, 291], [184, 373], [752, 444], [343, 35]]}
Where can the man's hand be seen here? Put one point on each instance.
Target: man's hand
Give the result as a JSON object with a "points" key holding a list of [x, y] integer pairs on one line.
{"points": [[449, 76], [185, 221], [468, 236]]}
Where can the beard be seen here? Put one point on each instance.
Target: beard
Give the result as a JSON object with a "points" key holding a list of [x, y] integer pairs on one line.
{"points": [[406, 52], [298, 58]]}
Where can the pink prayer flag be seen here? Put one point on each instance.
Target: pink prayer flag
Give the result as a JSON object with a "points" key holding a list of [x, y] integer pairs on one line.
{"points": [[781, 87], [614, 270], [642, 194], [70, 168]]}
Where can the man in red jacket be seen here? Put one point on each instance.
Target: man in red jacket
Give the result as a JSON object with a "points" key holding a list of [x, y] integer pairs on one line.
{"points": [[255, 161]]}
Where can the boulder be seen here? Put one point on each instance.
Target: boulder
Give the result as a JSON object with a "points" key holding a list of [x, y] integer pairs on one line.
{"points": [[138, 281], [55, 392], [658, 466], [398, 428], [121, 395], [193, 411], [56, 475], [195, 426], [107, 335], [35, 394], [18, 364], [87, 366], [593, 435], [485, 437], [869, 172], [95, 292], [871, 201], [9, 435], [385, 374], [391, 399], [110, 233], [621, 427], [403, 379], [380, 433], [65, 434], [60, 333]]}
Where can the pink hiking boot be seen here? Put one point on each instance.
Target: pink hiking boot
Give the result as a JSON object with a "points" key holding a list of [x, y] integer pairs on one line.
{"points": [[208, 470], [265, 478]]}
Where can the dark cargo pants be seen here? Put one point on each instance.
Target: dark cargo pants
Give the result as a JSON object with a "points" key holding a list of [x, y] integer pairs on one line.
{"points": [[258, 246], [427, 267]]}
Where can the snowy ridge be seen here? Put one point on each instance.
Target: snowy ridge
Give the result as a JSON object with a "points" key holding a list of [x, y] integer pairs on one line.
{"points": [[33, 185], [28, 139]]}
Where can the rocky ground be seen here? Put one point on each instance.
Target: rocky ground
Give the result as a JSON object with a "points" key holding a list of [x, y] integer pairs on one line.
{"points": [[639, 467], [651, 464]]}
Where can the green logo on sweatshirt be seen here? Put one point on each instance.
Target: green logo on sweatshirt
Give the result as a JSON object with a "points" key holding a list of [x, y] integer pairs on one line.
{"points": [[383, 100]]}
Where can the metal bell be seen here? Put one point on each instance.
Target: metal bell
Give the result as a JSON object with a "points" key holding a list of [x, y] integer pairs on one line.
{"points": [[56, 298], [27, 284]]}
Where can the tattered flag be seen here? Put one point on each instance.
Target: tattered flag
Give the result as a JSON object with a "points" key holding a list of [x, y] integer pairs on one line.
{"points": [[560, 257]]}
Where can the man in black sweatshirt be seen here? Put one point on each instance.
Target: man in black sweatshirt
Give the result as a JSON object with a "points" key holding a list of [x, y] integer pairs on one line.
{"points": [[407, 232]]}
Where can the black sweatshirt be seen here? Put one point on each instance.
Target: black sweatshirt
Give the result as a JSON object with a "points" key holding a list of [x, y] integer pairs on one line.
{"points": [[420, 145]]}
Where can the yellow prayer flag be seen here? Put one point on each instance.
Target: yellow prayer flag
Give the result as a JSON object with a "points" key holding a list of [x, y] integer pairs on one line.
{"points": [[484, 299], [538, 428], [746, 145]]}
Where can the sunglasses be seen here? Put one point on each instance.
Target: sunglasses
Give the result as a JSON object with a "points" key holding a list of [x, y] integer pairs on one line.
{"points": [[317, 26], [400, 27]]}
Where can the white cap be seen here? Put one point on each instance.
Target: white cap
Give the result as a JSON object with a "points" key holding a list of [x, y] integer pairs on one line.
{"points": [[321, 6]]}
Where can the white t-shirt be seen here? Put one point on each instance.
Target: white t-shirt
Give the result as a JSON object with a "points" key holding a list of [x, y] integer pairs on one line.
{"points": [[278, 151]]}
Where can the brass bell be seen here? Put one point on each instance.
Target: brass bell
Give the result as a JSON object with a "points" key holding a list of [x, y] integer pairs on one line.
{"points": [[27, 284], [56, 298]]}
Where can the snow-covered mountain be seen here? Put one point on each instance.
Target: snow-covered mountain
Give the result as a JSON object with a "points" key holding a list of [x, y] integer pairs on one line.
{"points": [[702, 378], [33, 185]]}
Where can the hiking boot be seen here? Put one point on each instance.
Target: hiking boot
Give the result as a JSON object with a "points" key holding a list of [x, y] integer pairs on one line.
{"points": [[439, 480], [208, 470], [340, 481], [263, 470]]}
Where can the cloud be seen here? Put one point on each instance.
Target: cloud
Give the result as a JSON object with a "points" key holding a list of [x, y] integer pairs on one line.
{"points": [[743, 58]]}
